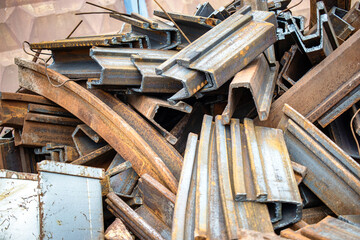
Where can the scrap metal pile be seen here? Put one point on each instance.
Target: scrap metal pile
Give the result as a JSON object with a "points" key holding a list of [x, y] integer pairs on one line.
{"points": [[233, 123]]}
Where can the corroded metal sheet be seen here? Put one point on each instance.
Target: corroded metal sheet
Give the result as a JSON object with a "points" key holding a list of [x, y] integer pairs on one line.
{"points": [[118, 231], [331, 173], [57, 201], [103, 120], [19, 206], [150, 106], [259, 78], [260, 167]]}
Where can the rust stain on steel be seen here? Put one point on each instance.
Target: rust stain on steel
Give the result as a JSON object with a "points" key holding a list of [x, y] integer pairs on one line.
{"points": [[149, 106], [167, 153], [92, 155], [131, 219], [331, 173], [328, 76], [328, 228], [40, 129], [353, 16], [86, 140], [14, 107], [101, 118], [157, 198], [259, 78]]}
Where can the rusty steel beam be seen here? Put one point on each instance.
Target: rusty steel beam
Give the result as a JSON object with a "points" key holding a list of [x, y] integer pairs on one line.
{"points": [[342, 29], [331, 173], [259, 78], [251, 155], [14, 107], [328, 228], [59, 153], [10, 155], [40, 129], [331, 75], [131, 219], [146, 62], [150, 106], [95, 157], [214, 52], [103, 120], [179, 220], [122, 176], [86, 140], [353, 16]]}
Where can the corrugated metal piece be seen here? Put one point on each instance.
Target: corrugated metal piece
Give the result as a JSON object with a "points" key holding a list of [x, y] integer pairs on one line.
{"points": [[318, 44], [229, 40], [149, 107], [131, 219], [259, 78], [125, 138], [19, 206], [14, 107], [328, 228], [339, 69], [57, 201], [117, 69], [332, 174], [205, 206], [260, 167], [146, 62]]}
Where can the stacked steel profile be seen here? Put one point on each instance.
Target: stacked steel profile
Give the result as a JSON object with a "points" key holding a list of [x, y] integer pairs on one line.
{"points": [[236, 123]]}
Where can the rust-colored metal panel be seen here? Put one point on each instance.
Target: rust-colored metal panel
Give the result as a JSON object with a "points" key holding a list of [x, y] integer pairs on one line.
{"points": [[101, 118], [117, 231]]}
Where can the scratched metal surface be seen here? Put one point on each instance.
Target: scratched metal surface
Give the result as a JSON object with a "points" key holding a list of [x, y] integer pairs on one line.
{"points": [[19, 206], [70, 201]]}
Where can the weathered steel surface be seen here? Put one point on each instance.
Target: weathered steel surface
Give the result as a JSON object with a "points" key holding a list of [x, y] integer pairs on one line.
{"points": [[319, 43], [96, 157], [103, 120], [294, 65], [353, 16], [146, 62], [117, 231], [149, 106], [19, 206], [131, 219], [122, 177], [40, 129], [57, 201], [86, 140], [171, 158], [10, 155], [14, 107], [179, 224], [342, 29], [59, 153], [229, 40], [257, 160], [259, 78], [328, 228], [332, 174], [331, 74]]}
